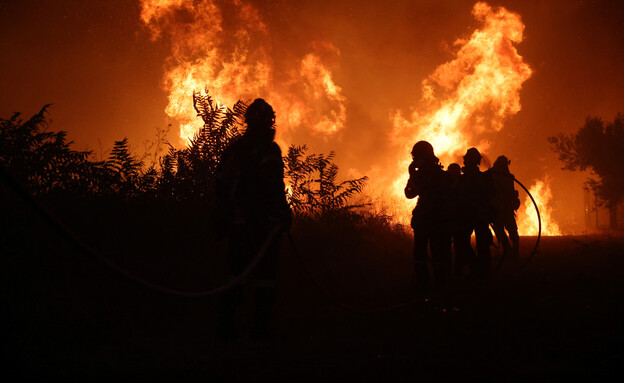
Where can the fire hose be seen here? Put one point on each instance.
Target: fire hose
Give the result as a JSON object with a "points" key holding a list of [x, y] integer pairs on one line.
{"points": [[69, 235], [404, 304], [539, 223]]}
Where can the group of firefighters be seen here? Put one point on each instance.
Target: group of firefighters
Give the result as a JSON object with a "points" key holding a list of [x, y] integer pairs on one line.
{"points": [[452, 204]]}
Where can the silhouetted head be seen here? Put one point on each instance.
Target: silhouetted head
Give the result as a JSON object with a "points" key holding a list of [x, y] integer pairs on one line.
{"points": [[472, 157], [502, 163], [454, 170], [259, 116], [422, 153]]}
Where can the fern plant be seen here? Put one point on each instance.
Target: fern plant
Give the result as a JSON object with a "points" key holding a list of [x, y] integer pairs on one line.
{"points": [[42, 160], [45, 162], [313, 182], [189, 173]]}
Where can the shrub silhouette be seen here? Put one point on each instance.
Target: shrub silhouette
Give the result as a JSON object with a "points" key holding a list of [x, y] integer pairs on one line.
{"points": [[313, 182], [45, 163], [189, 173]]}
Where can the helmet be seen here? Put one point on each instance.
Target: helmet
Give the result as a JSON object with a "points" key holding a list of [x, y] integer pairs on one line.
{"points": [[423, 151], [259, 115], [501, 162], [472, 157], [454, 169]]}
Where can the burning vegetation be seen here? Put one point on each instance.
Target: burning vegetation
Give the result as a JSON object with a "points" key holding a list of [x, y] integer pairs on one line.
{"points": [[228, 51]]}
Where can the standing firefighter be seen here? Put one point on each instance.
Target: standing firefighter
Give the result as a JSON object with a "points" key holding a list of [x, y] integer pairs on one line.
{"points": [[476, 212], [430, 219], [454, 207], [506, 202], [252, 201]]}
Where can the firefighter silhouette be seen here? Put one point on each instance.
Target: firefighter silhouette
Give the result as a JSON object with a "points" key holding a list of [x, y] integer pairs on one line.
{"points": [[506, 202], [454, 172], [430, 217], [251, 201], [476, 212]]}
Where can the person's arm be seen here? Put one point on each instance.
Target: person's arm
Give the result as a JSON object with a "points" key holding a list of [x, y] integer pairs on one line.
{"points": [[412, 189]]}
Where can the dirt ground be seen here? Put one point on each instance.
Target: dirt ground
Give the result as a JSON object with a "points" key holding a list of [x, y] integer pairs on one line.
{"points": [[556, 317]]}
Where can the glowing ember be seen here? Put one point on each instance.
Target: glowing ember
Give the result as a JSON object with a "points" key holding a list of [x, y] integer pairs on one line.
{"points": [[527, 217], [229, 57], [467, 96]]}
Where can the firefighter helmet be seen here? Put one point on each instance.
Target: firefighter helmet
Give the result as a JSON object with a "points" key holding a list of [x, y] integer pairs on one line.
{"points": [[259, 115], [423, 152], [501, 162], [472, 157]]}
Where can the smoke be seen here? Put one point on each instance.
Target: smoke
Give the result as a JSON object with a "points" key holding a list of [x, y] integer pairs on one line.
{"points": [[226, 49], [235, 51]]}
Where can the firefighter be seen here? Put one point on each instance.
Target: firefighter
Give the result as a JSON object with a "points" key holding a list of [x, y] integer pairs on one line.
{"points": [[476, 212], [430, 217], [454, 172], [506, 202], [251, 201]]}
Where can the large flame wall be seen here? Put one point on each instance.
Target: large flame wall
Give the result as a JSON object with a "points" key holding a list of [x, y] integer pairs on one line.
{"points": [[229, 49]]}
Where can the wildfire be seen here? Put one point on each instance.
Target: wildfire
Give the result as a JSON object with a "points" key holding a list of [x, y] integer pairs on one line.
{"points": [[228, 54], [467, 96], [527, 217]]}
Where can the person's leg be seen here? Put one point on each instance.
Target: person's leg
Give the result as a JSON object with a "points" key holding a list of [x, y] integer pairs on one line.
{"points": [[265, 294], [230, 300], [420, 260], [484, 238], [512, 229], [464, 253], [440, 255], [499, 230]]}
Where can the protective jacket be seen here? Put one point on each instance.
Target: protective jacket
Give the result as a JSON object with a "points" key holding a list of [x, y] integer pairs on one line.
{"points": [[432, 186], [250, 182]]}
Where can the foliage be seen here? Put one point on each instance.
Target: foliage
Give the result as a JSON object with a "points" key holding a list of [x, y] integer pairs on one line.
{"points": [[125, 175], [45, 163], [42, 160], [189, 173], [313, 182], [597, 147]]}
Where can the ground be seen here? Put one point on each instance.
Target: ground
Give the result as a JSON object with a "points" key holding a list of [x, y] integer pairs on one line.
{"points": [[555, 317]]}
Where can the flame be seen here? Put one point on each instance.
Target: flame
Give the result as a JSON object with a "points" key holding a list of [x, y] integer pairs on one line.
{"points": [[527, 217], [465, 97], [322, 86], [229, 53], [230, 57]]}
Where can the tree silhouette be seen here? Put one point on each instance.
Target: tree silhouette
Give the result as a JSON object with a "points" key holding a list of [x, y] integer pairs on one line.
{"points": [[597, 147]]}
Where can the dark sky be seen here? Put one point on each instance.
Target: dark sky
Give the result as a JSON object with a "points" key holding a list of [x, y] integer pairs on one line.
{"points": [[96, 63]]}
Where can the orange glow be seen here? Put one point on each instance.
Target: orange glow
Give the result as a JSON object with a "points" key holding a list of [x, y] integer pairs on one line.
{"points": [[465, 97], [230, 55], [237, 66], [527, 217]]}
